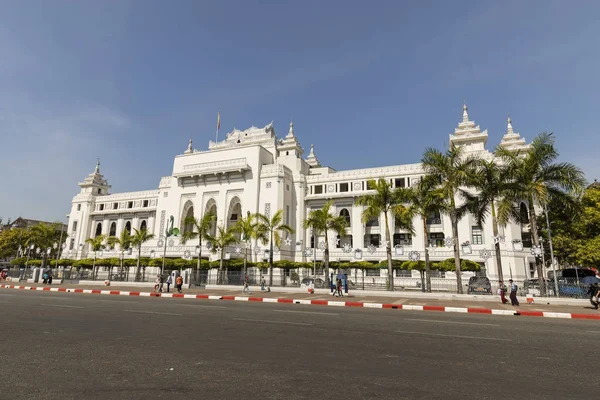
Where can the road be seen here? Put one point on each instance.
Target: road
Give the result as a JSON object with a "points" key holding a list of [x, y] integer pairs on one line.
{"points": [[74, 346]]}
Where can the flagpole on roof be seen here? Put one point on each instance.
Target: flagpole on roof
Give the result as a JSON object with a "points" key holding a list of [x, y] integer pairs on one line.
{"points": [[218, 126]]}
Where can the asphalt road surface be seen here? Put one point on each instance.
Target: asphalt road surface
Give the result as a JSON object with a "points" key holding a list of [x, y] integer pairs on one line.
{"points": [[74, 346]]}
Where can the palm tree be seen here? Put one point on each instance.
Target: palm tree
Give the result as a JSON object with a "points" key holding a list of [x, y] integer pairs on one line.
{"points": [[137, 240], [223, 238], [124, 242], [452, 171], [322, 221], [96, 244], [385, 200], [272, 228], [248, 228], [424, 200], [200, 228], [45, 236], [539, 178], [494, 188]]}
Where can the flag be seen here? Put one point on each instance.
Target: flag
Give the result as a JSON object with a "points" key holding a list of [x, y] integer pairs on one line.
{"points": [[219, 120]]}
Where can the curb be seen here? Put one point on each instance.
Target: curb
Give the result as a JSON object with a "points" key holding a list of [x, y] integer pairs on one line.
{"points": [[466, 310]]}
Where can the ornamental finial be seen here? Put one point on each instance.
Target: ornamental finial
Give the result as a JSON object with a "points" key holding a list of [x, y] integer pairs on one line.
{"points": [[509, 128], [97, 170], [465, 113]]}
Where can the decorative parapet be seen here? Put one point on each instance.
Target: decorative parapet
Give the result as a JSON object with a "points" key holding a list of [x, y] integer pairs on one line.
{"points": [[165, 182], [214, 167], [276, 171], [146, 195], [398, 170]]}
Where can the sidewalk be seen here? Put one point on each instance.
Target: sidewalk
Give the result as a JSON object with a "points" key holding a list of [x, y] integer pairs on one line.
{"points": [[322, 297]]}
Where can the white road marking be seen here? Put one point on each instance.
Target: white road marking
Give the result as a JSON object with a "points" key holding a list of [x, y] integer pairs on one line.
{"points": [[153, 312], [449, 322], [593, 331], [7, 295], [121, 301], [60, 305], [455, 336], [306, 312], [271, 322]]}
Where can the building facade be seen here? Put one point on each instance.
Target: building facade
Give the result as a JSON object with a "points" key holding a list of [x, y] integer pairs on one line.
{"points": [[254, 171]]}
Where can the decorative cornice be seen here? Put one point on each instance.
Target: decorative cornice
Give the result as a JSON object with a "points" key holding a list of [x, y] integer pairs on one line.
{"points": [[392, 171]]}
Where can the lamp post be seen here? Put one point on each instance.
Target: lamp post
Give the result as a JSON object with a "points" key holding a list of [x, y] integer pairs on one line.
{"points": [[312, 232], [168, 232]]}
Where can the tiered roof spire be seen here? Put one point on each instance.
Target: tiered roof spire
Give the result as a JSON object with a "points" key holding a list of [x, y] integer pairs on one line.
{"points": [[312, 159]]}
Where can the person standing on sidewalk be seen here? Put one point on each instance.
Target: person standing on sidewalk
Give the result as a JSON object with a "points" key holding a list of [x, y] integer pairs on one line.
{"points": [[246, 285], [157, 283], [262, 283], [169, 282], [502, 292], [513, 293], [178, 283]]}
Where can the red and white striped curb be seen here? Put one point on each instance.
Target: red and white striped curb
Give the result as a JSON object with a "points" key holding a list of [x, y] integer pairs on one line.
{"points": [[469, 310]]}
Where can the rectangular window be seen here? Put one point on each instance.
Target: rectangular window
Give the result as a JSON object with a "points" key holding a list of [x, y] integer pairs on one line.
{"points": [[234, 217], [476, 235], [318, 189], [145, 203], [74, 229], [130, 204], [78, 207], [407, 182], [287, 187], [373, 272], [370, 184], [343, 187], [403, 273], [436, 239], [287, 215], [402, 239], [400, 183], [115, 206], [71, 244], [101, 207], [434, 218]]}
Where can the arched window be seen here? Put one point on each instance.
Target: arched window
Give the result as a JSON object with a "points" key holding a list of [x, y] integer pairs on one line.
{"points": [[346, 214], [188, 212], [234, 214], [113, 229], [128, 227], [211, 207], [99, 229], [143, 226]]}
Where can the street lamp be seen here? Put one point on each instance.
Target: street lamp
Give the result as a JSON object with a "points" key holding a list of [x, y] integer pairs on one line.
{"points": [[551, 251]]}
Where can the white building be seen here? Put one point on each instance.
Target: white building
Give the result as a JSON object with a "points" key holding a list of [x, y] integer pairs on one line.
{"points": [[255, 171]]}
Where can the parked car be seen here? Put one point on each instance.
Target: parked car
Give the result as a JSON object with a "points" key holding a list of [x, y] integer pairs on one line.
{"points": [[479, 285]]}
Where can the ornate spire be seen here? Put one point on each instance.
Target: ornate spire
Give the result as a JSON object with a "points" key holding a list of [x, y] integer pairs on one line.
{"points": [[190, 149], [509, 128], [291, 132], [312, 160], [465, 113], [511, 139], [97, 170]]}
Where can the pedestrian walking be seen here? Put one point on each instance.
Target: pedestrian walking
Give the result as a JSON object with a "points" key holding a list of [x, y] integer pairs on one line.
{"points": [[262, 283], [161, 283], [513, 293], [169, 282], [50, 277], [502, 292], [45, 278], [157, 283], [246, 285], [178, 283]]}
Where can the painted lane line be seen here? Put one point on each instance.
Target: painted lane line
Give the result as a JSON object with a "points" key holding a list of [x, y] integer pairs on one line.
{"points": [[7, 295], [120, 301], [448, 322], [266, 321], [306, 312], [61, 305], [455, 336], [153, 312]]}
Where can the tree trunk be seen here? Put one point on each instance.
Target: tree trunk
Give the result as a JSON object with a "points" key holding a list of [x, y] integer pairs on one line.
{"points": [[121, 263], [137, 270], [459, 288], [388, 251], [326, 260], [427, 267], [245, 258], [497, 243], [199, 258], [422, 273], [536, 242], [271, 260], [94, 268], [220, 276]]}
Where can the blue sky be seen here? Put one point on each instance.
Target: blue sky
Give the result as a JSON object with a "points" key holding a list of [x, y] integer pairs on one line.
{"points": [[369, 83]]}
